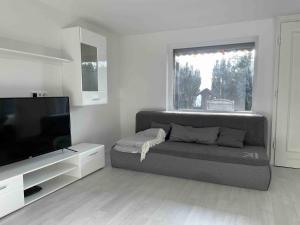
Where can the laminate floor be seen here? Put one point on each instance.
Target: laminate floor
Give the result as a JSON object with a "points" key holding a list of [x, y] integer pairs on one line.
{"points": [[115, 196]]}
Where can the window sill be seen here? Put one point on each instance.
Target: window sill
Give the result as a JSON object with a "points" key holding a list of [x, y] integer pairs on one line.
{"points": [[242, 113]]}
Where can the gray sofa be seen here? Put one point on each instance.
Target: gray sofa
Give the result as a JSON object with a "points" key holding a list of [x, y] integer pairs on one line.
{"points": [[211, 163]]}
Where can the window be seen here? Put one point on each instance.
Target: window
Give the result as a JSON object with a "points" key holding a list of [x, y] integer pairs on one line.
{"points": [[214, 78]]}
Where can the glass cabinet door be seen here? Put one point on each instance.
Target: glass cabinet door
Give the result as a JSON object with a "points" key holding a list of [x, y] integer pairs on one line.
{"points": [[89, 67]]}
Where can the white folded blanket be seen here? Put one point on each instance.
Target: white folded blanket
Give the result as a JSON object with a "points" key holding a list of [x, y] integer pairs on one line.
{"points": [[141, 142]]}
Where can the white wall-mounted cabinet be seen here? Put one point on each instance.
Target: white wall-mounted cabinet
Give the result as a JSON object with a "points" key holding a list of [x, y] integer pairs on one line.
{"points": [[85, 78]]}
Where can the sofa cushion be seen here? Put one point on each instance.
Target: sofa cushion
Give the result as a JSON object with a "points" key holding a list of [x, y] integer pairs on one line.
{"points": [[249, 155], [206, 135], [231, 137], [166, 127]]}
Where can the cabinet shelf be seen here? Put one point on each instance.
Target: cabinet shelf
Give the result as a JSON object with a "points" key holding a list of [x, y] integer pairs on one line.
{"points": [[47, 173], [15, 47], [50, 186]]}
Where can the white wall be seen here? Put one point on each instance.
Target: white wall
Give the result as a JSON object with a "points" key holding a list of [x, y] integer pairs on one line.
{"points": [[19, 75], [144, 65]]}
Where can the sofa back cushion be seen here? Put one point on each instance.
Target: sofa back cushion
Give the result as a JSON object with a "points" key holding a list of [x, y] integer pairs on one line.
{"points": [[255, 125], [206, 135], [231, 137]]}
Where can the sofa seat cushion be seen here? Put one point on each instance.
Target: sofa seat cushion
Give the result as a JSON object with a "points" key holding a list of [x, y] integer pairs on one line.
{"points": [[249, 155]]}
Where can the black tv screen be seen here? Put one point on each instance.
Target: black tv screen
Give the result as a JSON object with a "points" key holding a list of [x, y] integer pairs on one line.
{"points": [[33, 126]]}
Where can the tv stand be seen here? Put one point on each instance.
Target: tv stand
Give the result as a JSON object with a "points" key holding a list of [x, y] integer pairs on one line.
{"points": [[50, 172]]}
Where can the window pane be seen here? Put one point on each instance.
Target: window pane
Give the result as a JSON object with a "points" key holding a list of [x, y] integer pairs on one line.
{"points": [[217, 78]]}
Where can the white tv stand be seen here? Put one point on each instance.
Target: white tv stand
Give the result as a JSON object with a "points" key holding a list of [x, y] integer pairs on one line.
{"points": [[51, 171]]}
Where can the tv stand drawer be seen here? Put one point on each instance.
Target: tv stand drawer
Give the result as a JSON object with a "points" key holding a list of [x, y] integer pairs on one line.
{"points": [[11, 195], [11, 183], [91, 160]]}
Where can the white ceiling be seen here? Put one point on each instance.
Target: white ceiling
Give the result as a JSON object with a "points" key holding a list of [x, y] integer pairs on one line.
{"points": [[144, 16]]}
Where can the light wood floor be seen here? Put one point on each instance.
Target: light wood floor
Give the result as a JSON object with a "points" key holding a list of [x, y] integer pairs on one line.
{"points": [[115, 196]]}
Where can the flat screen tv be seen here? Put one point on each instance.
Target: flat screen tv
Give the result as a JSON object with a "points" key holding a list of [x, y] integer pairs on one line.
{"points": [[33, 126]]}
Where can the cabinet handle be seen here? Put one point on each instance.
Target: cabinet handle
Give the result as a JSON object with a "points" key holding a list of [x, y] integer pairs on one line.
{"points": [[95, 99], [3, 187], [94, 153]]}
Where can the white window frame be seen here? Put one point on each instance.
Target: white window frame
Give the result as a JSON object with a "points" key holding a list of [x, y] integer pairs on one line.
{"points": [[170, 70]]}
